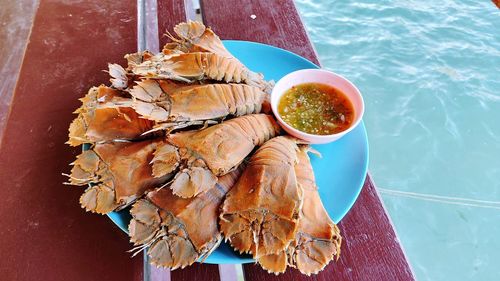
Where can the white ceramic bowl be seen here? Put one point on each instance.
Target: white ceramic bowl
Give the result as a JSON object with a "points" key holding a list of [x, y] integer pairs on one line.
{"points": [[323, 77]]}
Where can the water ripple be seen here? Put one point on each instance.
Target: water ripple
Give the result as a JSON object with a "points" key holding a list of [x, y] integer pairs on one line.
{"points": [[430, 75]]}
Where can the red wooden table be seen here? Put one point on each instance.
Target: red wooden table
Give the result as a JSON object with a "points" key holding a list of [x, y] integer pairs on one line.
{"points": [[44, 235]]}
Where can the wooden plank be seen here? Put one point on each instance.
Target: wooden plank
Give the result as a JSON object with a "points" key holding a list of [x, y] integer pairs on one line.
{"points": [[267, 21], [45, 235], [371, 250], [153, 273], [149, 22], [205, 272], [16, 18], [170, 13]]}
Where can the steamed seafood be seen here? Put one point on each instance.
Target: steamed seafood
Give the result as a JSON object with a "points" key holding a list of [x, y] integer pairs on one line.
{"points": [[191, 67], [190, 105], [118, 173], [261, 212], [101, 124], [194, 36], [201, 156], [318, 239], [185, 139], [197, 55], [179, 231]]}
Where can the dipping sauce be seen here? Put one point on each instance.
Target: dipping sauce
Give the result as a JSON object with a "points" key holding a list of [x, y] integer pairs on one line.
{"points": [[316, 108]]}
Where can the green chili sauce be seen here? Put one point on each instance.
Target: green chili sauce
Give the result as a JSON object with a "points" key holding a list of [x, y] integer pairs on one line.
{"points": [[316, 108]]}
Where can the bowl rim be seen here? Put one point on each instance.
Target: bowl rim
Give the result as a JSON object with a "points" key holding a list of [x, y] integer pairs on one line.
{"points": [[359, 117]]}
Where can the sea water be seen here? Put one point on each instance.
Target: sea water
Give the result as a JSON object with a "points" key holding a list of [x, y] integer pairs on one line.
{"points": [[430, 75]]}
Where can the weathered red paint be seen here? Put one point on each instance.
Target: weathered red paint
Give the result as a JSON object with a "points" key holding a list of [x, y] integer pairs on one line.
{"points": [[45, 235]]}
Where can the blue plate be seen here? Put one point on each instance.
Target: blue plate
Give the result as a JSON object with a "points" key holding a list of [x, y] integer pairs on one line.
{"points": [[340, 172]]}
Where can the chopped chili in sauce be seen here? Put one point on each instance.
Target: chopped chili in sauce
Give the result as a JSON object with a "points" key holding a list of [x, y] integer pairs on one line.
{"points": [[316, 108]]}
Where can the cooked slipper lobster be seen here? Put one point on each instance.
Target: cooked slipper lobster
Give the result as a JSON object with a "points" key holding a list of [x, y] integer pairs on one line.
{"points": [[194, 36], [103, 124], [191, 105], [197, 55], [261, 212], [179, 231], [191, 67], [318, 239], [118, 173], [200, 156]]}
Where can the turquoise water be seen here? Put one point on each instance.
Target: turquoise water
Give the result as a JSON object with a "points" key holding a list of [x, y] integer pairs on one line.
{"points": [[430, 75]]}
